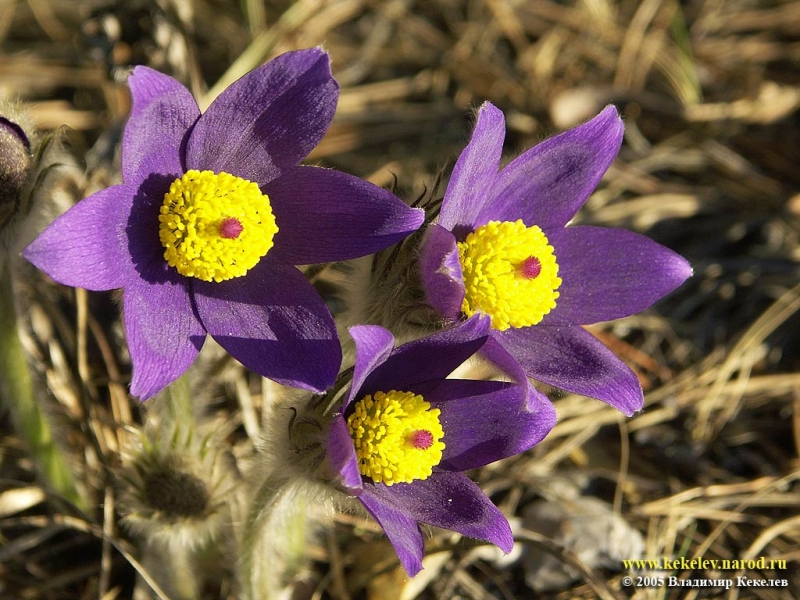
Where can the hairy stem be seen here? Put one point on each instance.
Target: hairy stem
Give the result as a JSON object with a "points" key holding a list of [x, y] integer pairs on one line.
{"points": [[18, 393], [274, 540]]}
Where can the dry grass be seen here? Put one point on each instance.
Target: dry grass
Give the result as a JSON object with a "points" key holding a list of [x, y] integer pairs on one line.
{"points": [[710, 91]]}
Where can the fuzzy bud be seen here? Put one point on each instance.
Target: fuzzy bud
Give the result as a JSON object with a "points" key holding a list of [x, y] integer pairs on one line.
{"points": [[177, 489], [15, 165]]}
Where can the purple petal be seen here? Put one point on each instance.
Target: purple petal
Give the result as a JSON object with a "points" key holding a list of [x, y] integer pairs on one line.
{"points": [[374, 344], [268, 120], [161, 114], [163, 333], [440, 271], [341, 458], [532, 401], [474, 172], [485, 421], [610, 273], [450, 501], [403, 532], [273, 322], [572, 359], [497, 354], [547, 184], [325, 215], [428, 358], [86, 246]]}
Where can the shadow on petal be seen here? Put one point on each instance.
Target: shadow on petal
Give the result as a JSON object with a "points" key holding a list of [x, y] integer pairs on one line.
{"points": [[144, 245]]}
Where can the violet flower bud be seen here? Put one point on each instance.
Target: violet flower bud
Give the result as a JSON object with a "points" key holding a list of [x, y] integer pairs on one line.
{"points": [[15, 164]]}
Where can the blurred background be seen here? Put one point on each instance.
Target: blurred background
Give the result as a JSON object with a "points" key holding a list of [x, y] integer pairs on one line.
{"points": [[709, 91]]}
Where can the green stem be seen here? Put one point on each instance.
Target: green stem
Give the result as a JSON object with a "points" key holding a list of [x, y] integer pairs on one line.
{"points": [[174, 569], [274, 535], [17, 390], [170, 417], [175, 404]]}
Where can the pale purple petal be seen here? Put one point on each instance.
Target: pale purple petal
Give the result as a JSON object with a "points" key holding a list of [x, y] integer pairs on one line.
{"points": [[268, 120], [325, 215], [450, 501], [431, 357], [485, 421], [374, 344], [547, 184], [403, 532], [273, 322], [340, 455], [474, 172], [573, 359], [86, 246], [610, 273], [440, 272], [162, 112], [163, 333]]}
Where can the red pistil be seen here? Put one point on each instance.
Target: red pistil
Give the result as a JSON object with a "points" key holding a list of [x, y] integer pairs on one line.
{"points": [[230, 228], [530, 267], [422, 439]]}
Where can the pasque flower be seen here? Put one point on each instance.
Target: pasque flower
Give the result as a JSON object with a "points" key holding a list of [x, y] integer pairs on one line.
{"points": [[405, 432], [502, 248], [213, 214]]}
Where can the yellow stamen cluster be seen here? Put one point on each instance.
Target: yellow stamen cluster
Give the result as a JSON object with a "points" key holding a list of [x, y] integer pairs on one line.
{"points": [[495, 262], [215, 226], [397, 437]]}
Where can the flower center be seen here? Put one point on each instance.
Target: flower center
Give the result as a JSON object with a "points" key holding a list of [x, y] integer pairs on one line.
{"points": [[397, 436], [510, 273], [215, 226]]}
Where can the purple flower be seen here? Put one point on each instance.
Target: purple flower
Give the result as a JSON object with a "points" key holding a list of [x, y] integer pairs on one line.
{"points": [[406, 432], [213, 214], [502, 248]]}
